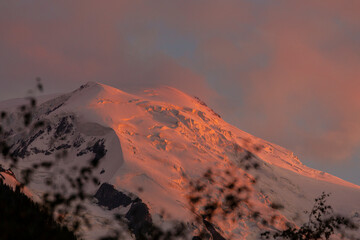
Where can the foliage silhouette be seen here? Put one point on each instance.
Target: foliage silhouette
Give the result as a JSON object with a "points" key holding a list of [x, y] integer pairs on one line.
{"points": [[322, 224], [21, 218]]}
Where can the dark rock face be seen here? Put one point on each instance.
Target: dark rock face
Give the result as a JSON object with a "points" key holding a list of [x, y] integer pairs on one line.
{"points": [[53, 109], [205, 105], [65, 126], [138, 216], [7, 171], [61, 130], [140, 221], [196, 238], [215, 234], [22, 150], [63, 146], [109, 197], [78, 141], [37, 151], [98, 149], [1, 176]]}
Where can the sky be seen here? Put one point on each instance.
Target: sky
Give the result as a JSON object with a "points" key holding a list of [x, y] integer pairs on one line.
{"points": [[285, 71]]}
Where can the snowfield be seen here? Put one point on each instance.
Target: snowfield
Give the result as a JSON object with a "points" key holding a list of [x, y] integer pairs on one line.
{"points": [[154, 141]]}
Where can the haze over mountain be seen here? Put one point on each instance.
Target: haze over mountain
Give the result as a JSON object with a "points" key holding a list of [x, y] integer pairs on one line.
{"points": [[150, 143]]}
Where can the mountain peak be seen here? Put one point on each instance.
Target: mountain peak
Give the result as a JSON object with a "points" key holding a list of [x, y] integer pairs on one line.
{"points": [[90, 84], [158, 139], [96, 86], [95, 91]]}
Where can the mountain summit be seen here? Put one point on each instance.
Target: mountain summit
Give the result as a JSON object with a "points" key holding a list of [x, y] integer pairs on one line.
{"points": [[150, 144]]}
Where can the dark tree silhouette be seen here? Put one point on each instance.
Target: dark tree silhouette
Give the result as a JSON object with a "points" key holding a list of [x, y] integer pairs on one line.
{"points": [[322, 224], [21, 218]]}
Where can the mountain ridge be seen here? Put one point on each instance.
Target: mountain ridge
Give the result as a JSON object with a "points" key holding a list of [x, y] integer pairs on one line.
{"points": [[158, 139]]}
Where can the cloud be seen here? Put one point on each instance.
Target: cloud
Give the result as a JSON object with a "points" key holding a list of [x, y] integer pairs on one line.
{"points": [[70, 43], [308, 90], [287, 71], [290, 69]]}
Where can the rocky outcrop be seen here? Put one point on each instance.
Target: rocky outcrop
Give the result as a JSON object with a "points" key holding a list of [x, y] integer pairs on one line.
{"points": [[109, 197], [21, 150], [140, 221], [215, 234], [65, 126], [138, 216]]}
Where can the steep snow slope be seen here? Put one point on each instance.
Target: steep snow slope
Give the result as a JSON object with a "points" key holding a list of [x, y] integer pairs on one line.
{"points": [[156, 138]]}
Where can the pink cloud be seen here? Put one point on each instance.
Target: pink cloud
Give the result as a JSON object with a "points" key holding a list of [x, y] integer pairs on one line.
{"points": [[87, 41], [290, 68]]}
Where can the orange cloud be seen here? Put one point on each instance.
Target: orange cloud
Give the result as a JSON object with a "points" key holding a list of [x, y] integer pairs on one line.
{"points": [[287, 71]]}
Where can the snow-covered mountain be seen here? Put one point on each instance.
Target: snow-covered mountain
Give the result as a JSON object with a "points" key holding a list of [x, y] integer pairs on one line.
{"points": [[149, 143]]}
